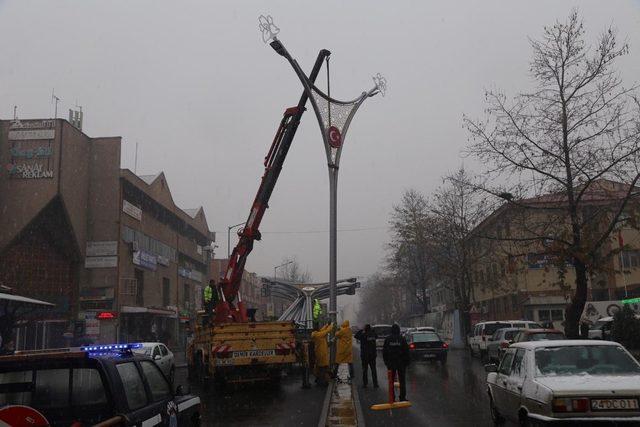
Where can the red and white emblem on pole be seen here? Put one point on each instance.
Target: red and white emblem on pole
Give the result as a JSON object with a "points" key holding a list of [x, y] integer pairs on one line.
{"points": [[335, 139]]}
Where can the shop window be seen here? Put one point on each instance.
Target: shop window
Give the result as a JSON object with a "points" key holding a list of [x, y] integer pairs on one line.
{"points": [[544, 315], [166, 292], [557, 315]]}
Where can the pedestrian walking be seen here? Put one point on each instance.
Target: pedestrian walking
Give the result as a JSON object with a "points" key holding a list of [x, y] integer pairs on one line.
{"points": [[344, 351], [395, 354], [368, 354], [321, 351]]}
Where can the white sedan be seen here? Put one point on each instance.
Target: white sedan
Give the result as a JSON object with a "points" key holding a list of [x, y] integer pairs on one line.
{"points": [[577, 380], [161, 355]]}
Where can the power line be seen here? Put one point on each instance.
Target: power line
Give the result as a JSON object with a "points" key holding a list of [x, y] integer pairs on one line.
{"points": [[348, 230]]}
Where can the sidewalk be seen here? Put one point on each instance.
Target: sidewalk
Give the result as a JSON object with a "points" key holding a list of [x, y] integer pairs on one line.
{"points": [[343, 406], [180, 359]]}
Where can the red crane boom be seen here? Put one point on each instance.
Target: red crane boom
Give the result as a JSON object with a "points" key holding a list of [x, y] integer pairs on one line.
{"points": [[231, 308]]}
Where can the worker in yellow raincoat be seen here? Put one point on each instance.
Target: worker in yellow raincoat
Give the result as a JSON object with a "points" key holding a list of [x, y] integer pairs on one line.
{"points": [[344, 338], [321, 351]]}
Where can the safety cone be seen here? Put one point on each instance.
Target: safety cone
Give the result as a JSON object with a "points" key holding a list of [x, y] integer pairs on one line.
{"points": [[392, 396]]}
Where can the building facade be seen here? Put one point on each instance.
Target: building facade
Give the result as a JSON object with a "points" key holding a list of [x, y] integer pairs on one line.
{"points": [[519, 279], [111, 250]]}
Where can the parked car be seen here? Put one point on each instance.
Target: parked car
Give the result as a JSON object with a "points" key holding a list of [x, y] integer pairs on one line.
{"points": [[161, 355], [482, 331], [427, 345], [91, 385], [601, 329], [382, 331], [500, 341], [570, 380], [539, 335]]}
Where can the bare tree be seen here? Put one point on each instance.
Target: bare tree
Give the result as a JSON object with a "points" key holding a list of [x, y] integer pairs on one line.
{"points": [[408, 258], [575, 135], [457, 208], [292, 272], [380, 300]]}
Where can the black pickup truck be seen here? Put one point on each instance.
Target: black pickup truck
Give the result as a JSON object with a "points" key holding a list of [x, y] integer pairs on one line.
{"points": [[98, 385]]}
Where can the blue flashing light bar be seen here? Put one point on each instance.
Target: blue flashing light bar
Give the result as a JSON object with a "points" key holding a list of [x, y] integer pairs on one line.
{"points": [[111, 347]]}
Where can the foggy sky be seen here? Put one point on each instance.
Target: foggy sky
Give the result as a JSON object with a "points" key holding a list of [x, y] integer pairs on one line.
{"points": [[193, 84]]}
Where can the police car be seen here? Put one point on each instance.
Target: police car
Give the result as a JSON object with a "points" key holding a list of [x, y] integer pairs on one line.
{"points": [[102, 384]]}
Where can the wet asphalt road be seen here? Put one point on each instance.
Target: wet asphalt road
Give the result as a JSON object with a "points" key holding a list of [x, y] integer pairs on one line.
{"points": [[285, 404], [453, 394]]}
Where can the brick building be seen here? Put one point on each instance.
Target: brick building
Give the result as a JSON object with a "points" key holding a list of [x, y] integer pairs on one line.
{"points": [[111, 249]]}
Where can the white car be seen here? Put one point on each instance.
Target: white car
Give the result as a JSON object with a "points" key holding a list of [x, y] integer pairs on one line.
{"points": [[571, 380], [161, 355], [382, 331], [481, 333]]}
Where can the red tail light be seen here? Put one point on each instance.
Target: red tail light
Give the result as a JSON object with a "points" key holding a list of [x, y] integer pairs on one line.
{"points": [[445, 345], [504, 344], [412, 346], [570, 405]]}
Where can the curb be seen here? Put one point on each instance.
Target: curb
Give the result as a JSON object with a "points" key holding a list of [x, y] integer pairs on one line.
{"points": [[325, 405], [357, 405]]}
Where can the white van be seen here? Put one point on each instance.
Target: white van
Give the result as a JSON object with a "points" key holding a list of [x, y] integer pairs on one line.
{"points": [[482, 332]]}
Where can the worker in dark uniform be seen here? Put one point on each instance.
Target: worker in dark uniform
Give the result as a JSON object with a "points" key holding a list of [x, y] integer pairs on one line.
{"points": [[211, 298], [395, 354], [367, 338]]}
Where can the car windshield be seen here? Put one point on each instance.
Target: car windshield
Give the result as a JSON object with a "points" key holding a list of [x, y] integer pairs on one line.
{"points": [[583, 359], [509, 335], [382, 331], [425, 337], [490, 328], [545, 336]]}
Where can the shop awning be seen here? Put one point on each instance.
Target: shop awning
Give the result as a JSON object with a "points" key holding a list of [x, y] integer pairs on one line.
{"points": [[23, 300]]}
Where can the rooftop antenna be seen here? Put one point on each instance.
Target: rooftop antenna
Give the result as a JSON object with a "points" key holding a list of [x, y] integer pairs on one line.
{"points": [[135, 165], [15, 113], [55, 100]]}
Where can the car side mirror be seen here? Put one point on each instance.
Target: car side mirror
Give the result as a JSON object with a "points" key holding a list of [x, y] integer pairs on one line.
{"points": [[491, 367], [179, 391], [157, 357]]}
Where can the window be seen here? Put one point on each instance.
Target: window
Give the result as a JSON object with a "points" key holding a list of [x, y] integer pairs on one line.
{"points": [[139, 275], [518, 363], [17, 396], [87, 388], [631, 259], [52, 388], [133, 386], [557, 315], [505, 366], [187, 296], [164, 350], [157, 384], [544, 315], [166, 289], [156, 351]]}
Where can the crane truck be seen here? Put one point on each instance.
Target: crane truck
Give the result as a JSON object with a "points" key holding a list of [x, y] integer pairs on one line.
{"points": [[231, 348]]}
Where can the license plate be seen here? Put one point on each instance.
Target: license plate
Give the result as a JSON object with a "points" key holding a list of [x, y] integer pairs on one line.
{"points": [[429, 356], [254, 353], [614, 404]]}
